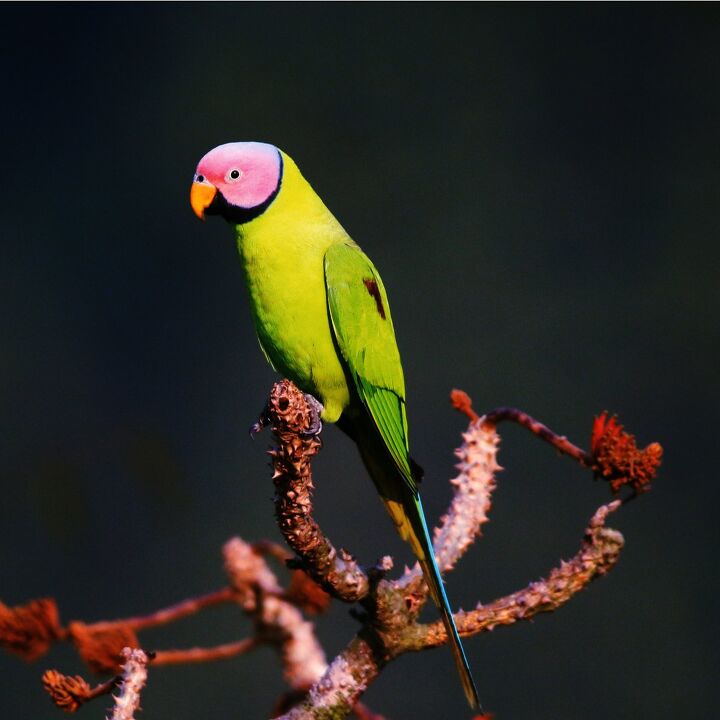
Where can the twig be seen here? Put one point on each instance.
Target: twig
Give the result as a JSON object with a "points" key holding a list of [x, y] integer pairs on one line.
{"points": [[168, 614], [461, 401], [202, 654], [559, 442], [99, 644], [104, 688]]}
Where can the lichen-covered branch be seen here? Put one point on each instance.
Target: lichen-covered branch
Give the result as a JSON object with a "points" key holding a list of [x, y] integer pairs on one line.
{"points": [[598, 554], [469, 508], [277, 621], [340, 688], [134, 675], [473, 488]]}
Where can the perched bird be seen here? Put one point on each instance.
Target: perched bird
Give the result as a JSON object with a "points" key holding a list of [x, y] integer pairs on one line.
{"points": [[323, 321]]}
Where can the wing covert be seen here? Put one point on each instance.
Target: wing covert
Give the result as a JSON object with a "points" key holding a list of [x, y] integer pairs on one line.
{"points": [[361, 321]]}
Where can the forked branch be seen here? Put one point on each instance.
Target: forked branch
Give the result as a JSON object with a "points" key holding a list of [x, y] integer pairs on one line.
{"points": [[390, 607]]}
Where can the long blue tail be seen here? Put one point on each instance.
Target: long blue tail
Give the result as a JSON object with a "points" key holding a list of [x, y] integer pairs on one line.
{"points": [[403, 504], [437, 590]]}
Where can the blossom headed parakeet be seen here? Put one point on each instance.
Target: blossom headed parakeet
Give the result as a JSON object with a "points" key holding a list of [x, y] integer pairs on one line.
{"points": [[323, 321]]}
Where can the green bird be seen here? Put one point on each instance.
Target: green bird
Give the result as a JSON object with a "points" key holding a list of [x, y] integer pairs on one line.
{"points": [[322, 318]]}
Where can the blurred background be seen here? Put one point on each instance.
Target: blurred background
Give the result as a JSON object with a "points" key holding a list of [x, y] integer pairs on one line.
{"points": [[539, 187]]}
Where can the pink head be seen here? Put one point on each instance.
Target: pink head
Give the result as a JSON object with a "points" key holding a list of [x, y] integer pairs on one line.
{"points": [[237, 180]]}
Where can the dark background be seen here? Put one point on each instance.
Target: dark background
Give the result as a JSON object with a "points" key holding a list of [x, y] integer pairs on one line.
{"points": [[539, 187]]}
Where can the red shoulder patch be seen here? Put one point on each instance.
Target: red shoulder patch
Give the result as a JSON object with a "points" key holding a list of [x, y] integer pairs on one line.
{"points": [[374, 291]]}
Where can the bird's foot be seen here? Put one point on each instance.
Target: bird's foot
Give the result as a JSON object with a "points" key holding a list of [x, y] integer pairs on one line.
{"points": [[316, 409], [261, 424]]}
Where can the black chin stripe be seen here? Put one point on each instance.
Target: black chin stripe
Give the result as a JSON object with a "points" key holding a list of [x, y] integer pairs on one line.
{"points": [[239, 215]]}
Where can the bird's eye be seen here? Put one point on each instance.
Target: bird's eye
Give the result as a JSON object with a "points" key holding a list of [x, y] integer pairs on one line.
{"points": [[200, 178], [234, 174]]}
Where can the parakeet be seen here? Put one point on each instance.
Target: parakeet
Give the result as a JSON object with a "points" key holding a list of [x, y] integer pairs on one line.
{"points": [[323, 320]]}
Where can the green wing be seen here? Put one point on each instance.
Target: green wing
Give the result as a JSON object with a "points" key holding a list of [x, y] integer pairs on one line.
{"points": [[363, 328], [360, 316]]}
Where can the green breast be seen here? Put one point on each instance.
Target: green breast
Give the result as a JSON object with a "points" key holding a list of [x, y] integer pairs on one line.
{"points": [[282, 254]]}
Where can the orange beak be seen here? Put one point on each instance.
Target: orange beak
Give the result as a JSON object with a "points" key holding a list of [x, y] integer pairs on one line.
{"points": [[201, 195]]}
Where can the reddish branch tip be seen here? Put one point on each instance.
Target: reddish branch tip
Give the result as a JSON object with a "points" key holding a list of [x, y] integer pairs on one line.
{"points": [[461, 401], [617, 458]]}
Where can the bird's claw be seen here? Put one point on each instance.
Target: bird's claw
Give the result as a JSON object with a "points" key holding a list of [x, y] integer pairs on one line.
{"points": [[316, 409], [260, 425], [316, 425]]}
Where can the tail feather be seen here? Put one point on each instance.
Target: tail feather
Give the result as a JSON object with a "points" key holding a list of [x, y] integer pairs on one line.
{"points": [[406, 511], [417, 535], [437, 591]]}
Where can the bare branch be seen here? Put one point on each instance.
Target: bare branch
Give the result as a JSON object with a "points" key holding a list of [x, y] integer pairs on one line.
{"points": [[598, 554], [461, 401], [468, 511], [471, 502], [134, 675], [277, 621], [100, 644], [204, 654], [336, 571], [340, 688], [169, 614]]}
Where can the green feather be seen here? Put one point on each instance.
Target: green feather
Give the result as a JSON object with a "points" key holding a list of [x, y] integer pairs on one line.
{"points": [[363, 328], [361, 322]]}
